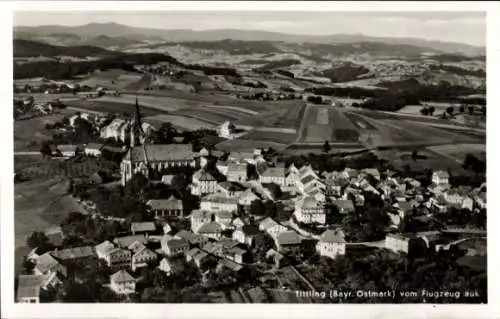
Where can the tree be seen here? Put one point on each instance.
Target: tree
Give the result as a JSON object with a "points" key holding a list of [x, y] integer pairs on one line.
{"points": [[471, 110], [45, 150], [414, 155], [326, 147], [180, 183], [257, 208], [461, 109], [40, 240], [483, 110], [424, 111], [432, 109], [450, 110]]}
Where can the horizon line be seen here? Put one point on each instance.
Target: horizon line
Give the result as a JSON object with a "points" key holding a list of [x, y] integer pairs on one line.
{"points": [[248, 30]]}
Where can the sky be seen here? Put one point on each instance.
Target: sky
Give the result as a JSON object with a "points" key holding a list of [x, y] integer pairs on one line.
{"points": [[462, 27]]}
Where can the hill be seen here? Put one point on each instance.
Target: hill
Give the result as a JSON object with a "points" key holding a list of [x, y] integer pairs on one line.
{"points": [[118, 30], [26, 48]]}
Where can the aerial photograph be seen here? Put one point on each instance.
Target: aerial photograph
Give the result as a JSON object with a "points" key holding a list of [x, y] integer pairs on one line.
{"points": [[250, 157]]}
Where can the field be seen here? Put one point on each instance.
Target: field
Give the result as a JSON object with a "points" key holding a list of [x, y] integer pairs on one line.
{"points": [[282, 114], [458, 151], [30, 133], [99, 105], [247, 145], [267, 136], [428, 159], [181, 122], [360, 122], [112, 79]]}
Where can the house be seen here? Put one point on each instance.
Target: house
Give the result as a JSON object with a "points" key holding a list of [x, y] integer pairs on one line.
{"points": [[67, 150], [166, 207], [237, 172], [242, 157], [166, 228], [228, 264], [167, 179], [274, 175], [55, 236], [222, 167], [93, 149], [199, 217], [75, 253], [310, 211], [344, 206], [224, 218], [211, 230], [126, 241], [236, 254], [46, 264], [174, 247], [142, 257], [121, 282], [144, 227], [156, 157], [237, 223], [198, 256], [288, 241], [276, 256], [118, 257], [247, 197], [373, 172], [203, 183], [468, 203], [219, 202], [406, 243], [171, 266], [226, 130], [230, 189], [331, 243], [246, 234], [440, 177], [192, 239], [28, 288], [103, 248], [271, 227]]}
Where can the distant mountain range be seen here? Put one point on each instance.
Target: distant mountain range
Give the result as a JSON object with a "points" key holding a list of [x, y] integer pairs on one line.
{"points": [[113, 34]]}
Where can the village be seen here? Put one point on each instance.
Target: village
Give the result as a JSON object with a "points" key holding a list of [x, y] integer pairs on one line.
{"points": [[248, 223]]}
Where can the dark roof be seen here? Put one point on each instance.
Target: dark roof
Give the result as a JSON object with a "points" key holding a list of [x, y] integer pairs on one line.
{"points": [[210, 228], [161, 152], [250, 230], [129, 240], [288, 238]]}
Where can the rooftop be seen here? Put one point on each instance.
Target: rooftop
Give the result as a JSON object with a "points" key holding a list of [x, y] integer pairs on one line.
{"points": [[161, 153], [168, 204], [333, 236], [210, 228], [288, 238], [203, 176], [217, 198], [129, 240], [74, 253], [121, 276], [274, 172], [143, 227]]}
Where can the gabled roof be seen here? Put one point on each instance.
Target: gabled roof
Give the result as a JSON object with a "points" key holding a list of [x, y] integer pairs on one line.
{"points": [[143, 227], [441, 174], [345, 204], [176, 243], [274, 172], [170, 203], [230, 264], [210, 228], [67, 148], [267, 223], [217, 198], [94, 146], [128, 240], [161, 153], [288, 238], [136, 246], [121, 276], [232, 186], [223, 214], [333, 236], [203, 176], [227, 243], [104, 247], [74, 253], [46, 262], [239, 168], [310, 202]]}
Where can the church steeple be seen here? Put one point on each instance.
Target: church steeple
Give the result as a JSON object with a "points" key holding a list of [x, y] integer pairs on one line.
{"points": [[137, 135]]}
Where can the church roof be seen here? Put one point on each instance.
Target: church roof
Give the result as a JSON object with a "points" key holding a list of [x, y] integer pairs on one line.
{"points": [[161, 153]]}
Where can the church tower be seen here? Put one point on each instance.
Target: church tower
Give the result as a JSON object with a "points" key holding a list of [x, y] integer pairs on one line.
{"points": [[137, 135]]}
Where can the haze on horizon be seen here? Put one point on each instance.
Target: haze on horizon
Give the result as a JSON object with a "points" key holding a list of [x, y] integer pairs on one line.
{"points": [[446, 26]]}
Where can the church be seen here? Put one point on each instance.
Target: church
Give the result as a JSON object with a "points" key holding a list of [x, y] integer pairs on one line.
{"points": [[143, 157]]}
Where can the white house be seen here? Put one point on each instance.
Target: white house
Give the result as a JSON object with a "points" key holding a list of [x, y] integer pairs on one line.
{"points": [[246, 234], [331, 243], [271, 227], [171, 266], [93, 149], [142, 257], [122, 282], [440, 177], [211, 230], [309, 211], [247, 197], [216, 202], [203, 183], [174, 246], [274, 175]]}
